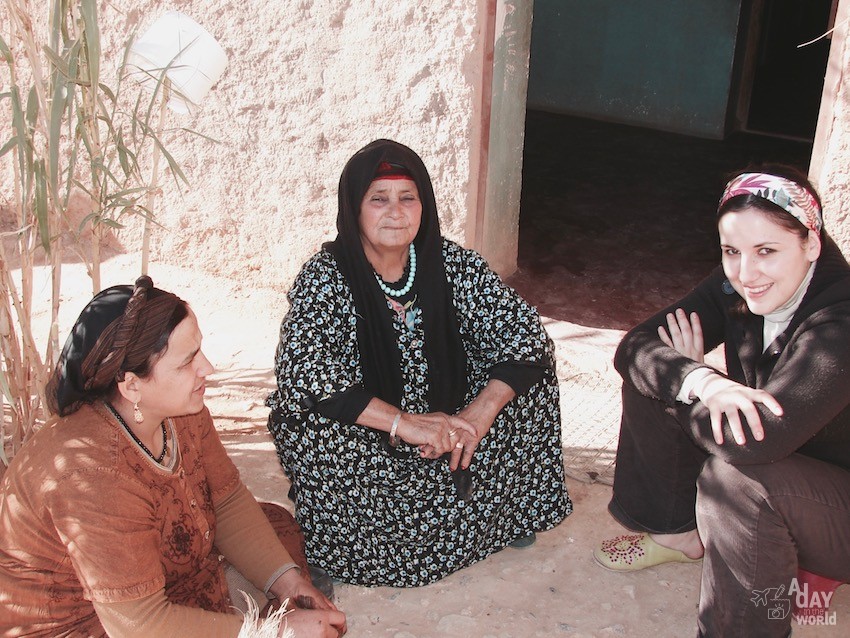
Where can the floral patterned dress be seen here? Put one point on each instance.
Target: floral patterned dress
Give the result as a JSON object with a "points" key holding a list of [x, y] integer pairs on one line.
{"points": [[371, 518]]}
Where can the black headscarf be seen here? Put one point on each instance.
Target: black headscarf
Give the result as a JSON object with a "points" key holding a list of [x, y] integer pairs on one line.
{"points": [[118, 331], [379, 353]]}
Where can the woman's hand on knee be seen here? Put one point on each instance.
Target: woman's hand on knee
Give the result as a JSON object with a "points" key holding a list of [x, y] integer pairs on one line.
{"points": [[684, 333], [726, 398], [314, 623], [481, 413], [294, 587]]}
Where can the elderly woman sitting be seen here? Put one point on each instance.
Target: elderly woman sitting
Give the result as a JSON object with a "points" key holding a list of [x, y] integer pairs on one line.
{"points": [[417, 406]]}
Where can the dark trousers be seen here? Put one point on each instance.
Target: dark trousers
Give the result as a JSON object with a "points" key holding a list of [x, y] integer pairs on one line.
{"points": [[655, 477], [758, 523]]}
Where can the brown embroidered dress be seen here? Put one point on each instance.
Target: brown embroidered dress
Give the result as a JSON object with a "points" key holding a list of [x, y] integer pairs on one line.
{"points": [[85, 516]]}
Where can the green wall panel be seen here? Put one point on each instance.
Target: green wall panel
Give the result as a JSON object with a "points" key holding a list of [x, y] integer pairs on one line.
{"points": [[655, 63]]}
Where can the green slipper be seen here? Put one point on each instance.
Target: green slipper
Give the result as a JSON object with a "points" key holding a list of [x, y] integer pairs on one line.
{"points": [[525, 541], [632, 552]]}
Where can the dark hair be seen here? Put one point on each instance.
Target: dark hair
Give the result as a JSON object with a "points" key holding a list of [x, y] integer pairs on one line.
{"points": [[776, 213], [145, 367], [122, 329]]}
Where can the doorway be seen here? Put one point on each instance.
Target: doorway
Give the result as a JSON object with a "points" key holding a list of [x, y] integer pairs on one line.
{"points": [[616, 219], [782, 61]]}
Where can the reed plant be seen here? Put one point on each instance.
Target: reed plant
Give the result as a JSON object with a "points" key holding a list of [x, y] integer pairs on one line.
{"points": [[72, 134]]}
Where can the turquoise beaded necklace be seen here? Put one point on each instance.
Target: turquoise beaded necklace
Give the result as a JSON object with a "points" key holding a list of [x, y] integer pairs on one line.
{"points": [[410, 277]]}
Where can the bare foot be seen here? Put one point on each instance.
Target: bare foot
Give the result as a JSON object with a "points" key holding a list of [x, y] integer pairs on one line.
{"points": [[688, 543]]}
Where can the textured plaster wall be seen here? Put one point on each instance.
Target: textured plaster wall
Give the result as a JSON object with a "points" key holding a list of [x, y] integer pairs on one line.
{"points": [[308, 83], [830, 167]]}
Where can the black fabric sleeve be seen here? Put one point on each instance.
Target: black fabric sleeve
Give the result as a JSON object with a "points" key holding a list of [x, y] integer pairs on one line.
{"points": [[520, 376], [344, 406], [655, 369], [811, 382]]}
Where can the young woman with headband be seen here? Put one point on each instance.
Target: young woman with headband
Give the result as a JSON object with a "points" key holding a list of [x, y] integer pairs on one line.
{"points": [[747, 467]]}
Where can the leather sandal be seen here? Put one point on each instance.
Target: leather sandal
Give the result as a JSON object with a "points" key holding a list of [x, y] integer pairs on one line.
{"points": [[633, 552]]}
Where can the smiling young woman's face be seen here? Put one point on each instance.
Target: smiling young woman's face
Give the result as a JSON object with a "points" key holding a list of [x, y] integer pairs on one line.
{"points": [[764, 261]]}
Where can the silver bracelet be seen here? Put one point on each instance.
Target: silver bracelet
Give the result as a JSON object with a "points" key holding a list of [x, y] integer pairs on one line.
{"points": [[394, 429]]}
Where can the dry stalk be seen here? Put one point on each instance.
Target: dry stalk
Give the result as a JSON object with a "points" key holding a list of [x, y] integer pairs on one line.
{"points": [[70, 133]]}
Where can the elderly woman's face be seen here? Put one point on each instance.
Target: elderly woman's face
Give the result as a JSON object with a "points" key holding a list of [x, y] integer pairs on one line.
{"points": [[765, 262], [389, 215]]}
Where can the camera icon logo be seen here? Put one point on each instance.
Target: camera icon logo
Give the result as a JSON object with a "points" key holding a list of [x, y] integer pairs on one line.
{"points": [[779, 610]]}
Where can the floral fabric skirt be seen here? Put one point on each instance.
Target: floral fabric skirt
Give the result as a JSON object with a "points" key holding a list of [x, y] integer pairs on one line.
{"points": [[372, 518]]}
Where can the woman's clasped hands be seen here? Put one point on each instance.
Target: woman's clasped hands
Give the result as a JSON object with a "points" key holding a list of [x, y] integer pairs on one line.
{"points": [[436, 433], [722, 396], [460, 434]]}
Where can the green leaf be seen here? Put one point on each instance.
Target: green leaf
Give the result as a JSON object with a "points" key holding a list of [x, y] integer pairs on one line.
{"points": [[7, 392], [8, 146], [88, 8], [123, 156], [199, 134], [5, 51], [82, 187], [172, 163], [57, 24], [58, 62], [145, 212], [60, 105], [72, 163], [85, 220], [20, 127], [108, 93], [128, 192], [32, 107], [74, 66]]}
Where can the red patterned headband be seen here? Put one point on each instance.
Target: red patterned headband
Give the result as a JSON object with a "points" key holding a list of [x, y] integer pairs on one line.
{"points": [[389, 170], [790, 196]]}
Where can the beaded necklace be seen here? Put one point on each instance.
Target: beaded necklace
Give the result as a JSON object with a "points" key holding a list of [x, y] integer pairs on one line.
{"points": [[132, 434], [410, 277]]}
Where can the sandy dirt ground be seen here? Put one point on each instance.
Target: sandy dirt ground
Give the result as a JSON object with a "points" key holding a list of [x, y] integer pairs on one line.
{"points": [[553, 588]]}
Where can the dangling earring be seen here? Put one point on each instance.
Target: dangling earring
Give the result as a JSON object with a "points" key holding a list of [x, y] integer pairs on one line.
{"points": [[138, 417]]}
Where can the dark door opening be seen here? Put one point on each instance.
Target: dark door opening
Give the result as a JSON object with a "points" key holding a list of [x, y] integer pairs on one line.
{"points": [[782, 81], [617, 221]]}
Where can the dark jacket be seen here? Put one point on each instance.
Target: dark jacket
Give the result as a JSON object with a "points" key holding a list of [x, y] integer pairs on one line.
{"points": [[806, 368]]}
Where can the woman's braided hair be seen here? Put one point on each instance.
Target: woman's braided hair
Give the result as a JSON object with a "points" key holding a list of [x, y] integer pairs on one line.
{"points": [[121, 330]]}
